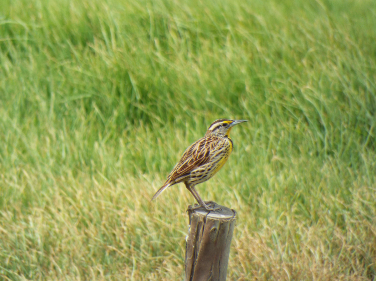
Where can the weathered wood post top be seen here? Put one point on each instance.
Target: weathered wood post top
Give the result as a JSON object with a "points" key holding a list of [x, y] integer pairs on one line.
{"points": [[208, 243]]}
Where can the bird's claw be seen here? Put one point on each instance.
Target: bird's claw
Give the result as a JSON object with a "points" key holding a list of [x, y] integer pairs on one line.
{"points": [[208, 206]]}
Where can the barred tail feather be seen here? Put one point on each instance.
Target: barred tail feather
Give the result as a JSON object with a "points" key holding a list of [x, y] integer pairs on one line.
{"points": [[160, 191]]}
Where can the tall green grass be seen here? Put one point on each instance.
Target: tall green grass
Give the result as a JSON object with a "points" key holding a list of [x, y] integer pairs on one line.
{"points": [[98, 99]]}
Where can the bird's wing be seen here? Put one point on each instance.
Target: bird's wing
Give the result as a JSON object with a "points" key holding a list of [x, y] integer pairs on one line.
{"points": [[195, 155]]}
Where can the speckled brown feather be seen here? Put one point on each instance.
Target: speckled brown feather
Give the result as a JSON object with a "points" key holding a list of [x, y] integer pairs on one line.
{"points": [[196, 155]]}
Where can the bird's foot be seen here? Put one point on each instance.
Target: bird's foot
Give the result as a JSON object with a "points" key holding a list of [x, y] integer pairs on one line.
{"points": [[208, 206]]}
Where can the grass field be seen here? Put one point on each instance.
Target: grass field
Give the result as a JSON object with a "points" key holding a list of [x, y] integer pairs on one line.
{"points": [[99, 99]]}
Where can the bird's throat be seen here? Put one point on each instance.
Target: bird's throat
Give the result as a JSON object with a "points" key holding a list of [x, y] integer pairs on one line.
{"points": [[228, 132]]}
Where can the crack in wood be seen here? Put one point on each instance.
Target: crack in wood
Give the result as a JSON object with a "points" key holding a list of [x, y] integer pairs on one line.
{"points": [[208, 243]]}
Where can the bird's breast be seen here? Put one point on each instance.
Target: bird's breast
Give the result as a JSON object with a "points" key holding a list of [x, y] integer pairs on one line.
{"points": [[224, 152]]}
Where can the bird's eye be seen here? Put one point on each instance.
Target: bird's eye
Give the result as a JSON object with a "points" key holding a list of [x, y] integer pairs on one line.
{"points": [[224, 125]]}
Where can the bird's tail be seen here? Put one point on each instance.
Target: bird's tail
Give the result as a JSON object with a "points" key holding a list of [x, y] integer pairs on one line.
{"points": [[160, 190]]}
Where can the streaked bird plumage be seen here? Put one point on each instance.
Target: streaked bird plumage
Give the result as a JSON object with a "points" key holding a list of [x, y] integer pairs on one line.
{"points": [[203, 159]]}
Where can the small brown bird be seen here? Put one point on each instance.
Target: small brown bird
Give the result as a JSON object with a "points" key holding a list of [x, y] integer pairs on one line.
{"points": [[203, 159]]}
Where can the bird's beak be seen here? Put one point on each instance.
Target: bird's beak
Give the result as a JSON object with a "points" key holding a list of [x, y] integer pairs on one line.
{"points": [[236, 122]]}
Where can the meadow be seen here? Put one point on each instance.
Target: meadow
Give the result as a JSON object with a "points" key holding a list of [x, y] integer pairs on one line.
{"points": [[99, 99]]}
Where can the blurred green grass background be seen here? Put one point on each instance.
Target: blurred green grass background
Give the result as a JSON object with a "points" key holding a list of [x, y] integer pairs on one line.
{"points": [[99, 99]]}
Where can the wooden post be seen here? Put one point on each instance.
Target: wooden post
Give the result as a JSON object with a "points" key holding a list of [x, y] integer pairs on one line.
{"points": [[208, 243]]}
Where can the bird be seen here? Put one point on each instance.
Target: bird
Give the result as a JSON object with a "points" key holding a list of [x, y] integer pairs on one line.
{"points": [[203, 159]]}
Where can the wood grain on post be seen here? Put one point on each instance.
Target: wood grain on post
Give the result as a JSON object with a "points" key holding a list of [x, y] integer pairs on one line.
{"points": [[208, 243]]}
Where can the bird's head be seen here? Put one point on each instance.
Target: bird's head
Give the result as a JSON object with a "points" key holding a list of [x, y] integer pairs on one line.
{"points": [[222, 127]]}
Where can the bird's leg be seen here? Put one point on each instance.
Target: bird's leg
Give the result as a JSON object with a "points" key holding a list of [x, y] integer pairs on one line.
{"points": [[200, 201], [197, 197], [205, 204]]}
